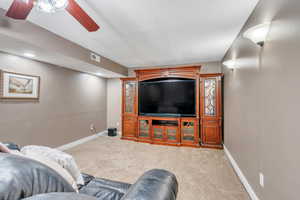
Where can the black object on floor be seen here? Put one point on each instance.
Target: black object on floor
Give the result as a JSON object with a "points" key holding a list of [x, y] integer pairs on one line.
{"points": [[112, 132]]}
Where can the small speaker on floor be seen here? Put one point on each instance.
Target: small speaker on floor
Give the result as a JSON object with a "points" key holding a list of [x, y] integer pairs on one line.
{"points": [[112, 132]]}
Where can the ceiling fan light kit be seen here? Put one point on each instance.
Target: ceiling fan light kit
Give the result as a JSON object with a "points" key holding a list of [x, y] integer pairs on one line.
{"points": [[20, 9], [51, 6]]}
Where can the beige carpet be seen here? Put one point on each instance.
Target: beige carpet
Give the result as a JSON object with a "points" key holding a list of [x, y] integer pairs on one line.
{"points": [[203, 174]]}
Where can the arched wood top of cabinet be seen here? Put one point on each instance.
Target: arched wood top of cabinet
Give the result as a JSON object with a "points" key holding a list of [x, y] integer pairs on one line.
{"points": [[128, 79], [191, 72], [212, 75]]}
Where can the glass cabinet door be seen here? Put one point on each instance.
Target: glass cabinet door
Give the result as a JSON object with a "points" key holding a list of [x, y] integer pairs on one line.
{"points": [[130, 90], [129, 109], [188, 131], [158, 133], [210, 96], [144, 128], [211, 110], [171, 133]]}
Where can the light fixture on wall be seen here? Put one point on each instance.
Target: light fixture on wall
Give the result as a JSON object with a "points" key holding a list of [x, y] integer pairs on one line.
{"points": [[258, 33], [29, 55], [230, 64]]}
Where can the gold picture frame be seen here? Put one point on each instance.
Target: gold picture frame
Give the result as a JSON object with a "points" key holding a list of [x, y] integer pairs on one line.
{"points": [[19, 86]]}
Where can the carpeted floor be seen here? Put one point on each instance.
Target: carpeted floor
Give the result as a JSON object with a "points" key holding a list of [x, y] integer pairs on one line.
{"points": [[203, 174]]}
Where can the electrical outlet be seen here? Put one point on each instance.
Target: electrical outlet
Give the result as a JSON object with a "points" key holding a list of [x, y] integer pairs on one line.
{"points": [[118, 124], [261, 179]]}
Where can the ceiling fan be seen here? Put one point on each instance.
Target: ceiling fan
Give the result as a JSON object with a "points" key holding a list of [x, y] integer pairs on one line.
{"points": [[20, 9]]}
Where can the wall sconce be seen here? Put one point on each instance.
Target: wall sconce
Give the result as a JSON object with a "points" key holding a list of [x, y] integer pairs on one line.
{"points": [[29, 55], [230, 64], [258, 33]]}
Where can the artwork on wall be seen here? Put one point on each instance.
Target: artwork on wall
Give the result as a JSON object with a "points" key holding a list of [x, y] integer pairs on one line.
{"points": [[19, 86]]}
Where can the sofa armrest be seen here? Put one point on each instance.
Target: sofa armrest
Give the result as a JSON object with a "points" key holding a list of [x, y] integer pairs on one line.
{"points": [[155, 184], [61, 196]]}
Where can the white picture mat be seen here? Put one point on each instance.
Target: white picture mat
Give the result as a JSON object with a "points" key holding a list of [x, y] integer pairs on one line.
{"points": [[6, 93]]}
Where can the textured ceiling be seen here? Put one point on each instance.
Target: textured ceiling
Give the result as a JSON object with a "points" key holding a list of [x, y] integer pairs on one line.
{"points": [[138, 33]]}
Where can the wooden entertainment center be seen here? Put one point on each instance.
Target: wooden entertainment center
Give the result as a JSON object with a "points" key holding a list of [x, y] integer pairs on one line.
{"points": [[203, 130]]}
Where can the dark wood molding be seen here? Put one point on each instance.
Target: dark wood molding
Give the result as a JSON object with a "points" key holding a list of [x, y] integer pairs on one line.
{"points": [[212, 75], [175, 72]]}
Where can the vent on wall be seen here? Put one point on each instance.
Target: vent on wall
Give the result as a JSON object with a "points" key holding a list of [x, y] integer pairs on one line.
{"points": [[95, 57]]}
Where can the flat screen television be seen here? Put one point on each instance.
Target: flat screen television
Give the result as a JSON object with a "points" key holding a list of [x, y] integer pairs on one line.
{"points": [[167, 97]]}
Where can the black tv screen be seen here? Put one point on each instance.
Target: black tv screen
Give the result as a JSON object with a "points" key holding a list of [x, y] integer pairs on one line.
{"points": [[167, 97]]}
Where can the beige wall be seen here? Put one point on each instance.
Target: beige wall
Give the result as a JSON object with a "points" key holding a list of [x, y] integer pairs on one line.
{"points": [[262, 102], [69, 103], [114, 101]]}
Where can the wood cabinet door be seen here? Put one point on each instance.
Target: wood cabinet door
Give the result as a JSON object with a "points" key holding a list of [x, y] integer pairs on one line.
{"points": [[129, 108], [211, 110], [129, 127], [211, 132]]}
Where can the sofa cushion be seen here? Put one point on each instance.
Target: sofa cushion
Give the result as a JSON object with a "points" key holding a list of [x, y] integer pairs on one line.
{"points": [[86, 179], [102, 193], [104, 189], [61, 196], [21, 177]]}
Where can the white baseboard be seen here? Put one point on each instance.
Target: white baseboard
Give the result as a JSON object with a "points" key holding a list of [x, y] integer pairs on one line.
{"points": [[80, 141], [241, 176]]}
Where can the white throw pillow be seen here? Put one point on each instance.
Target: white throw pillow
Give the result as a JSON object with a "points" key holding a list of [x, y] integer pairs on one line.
{"points": [[56, 167], [63, 159]]}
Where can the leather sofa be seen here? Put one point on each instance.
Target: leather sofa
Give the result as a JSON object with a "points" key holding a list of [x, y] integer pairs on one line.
{"points": [[23, 178]]}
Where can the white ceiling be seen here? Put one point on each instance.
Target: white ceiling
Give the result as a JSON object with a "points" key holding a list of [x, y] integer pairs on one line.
{"points": [[139, 33], [16, 47]]}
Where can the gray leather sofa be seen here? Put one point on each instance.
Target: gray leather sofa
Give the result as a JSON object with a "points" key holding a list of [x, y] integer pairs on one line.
{"points": [[22, 178]]}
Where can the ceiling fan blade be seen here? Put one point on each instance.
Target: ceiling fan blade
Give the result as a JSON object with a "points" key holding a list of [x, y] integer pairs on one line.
{"points": [[20, 9], [81, 16]]}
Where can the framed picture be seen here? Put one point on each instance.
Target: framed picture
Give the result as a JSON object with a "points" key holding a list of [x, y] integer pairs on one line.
{"points": [[19, 86]]}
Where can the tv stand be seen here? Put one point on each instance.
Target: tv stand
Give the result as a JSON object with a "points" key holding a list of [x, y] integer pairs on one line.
{"points": [[202, 130], [168, 131]]}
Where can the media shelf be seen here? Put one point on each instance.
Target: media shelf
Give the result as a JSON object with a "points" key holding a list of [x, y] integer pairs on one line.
{"points": [[165, 122], [168, 131], [202, 129]]}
